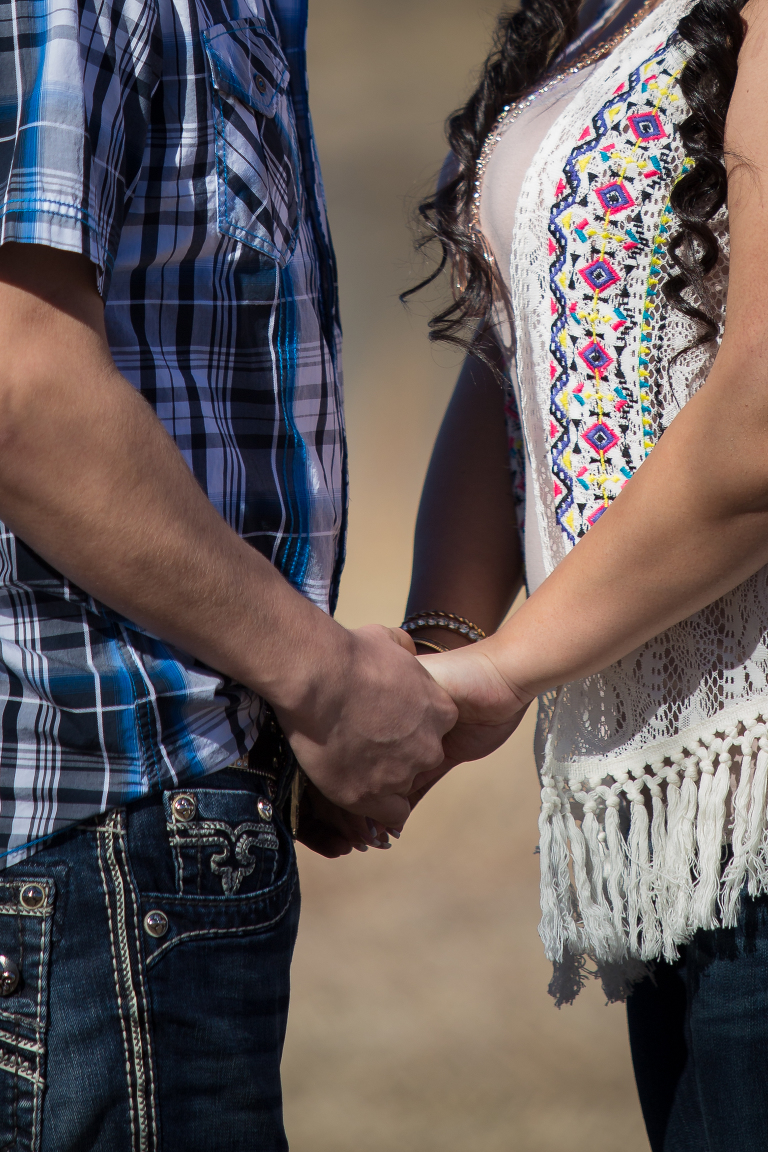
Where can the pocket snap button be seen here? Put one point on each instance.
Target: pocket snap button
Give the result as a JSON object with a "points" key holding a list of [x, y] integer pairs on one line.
{"points": [[184, 807], [156, 923], [9, 976], [32, 896], [261, 83], [265, 809]]}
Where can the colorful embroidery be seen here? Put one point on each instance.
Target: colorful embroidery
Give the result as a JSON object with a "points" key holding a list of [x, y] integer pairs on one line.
{"points": [[653, 319], [605, 249]]}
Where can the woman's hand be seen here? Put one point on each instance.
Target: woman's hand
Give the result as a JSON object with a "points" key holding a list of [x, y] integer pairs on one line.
{"points": [[330, 831], [490, 708]]}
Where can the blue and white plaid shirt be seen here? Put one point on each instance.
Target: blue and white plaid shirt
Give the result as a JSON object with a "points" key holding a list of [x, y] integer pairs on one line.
{"points": [[170, 141]]}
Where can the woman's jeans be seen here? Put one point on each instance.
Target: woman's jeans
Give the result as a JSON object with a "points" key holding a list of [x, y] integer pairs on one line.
{"points": [[153, 949], [699, 1038]]}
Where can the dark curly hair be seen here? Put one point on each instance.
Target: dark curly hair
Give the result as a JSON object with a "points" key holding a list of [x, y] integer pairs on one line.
{"points": [[526, 45]]}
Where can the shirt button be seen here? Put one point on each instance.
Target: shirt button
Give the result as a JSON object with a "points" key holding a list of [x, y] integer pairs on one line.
{"points": [[261, 83], [32, 896], [265, 809], [9, 976], [156, 923], [184, 807]]}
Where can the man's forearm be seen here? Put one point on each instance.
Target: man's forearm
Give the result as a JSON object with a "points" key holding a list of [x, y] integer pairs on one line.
{"points": [[90, 479], [689, 527]]}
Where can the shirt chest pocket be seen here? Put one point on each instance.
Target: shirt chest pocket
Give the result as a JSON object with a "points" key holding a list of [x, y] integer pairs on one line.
{"points": [[257, 162]]}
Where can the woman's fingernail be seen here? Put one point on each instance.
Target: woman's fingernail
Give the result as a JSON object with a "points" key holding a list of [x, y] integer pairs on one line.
{"points": [[361, 847], [384, 844], [372, 827], [394, 832]]}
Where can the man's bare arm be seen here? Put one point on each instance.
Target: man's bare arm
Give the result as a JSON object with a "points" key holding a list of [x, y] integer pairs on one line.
{"points": [[90, 479]]}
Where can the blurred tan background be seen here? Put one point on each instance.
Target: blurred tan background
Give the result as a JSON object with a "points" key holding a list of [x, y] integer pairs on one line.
{"points": [[420, 1018]]}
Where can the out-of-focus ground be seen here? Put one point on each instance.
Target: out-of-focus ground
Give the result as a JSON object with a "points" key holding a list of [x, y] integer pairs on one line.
{"points": [[420, 1018]]}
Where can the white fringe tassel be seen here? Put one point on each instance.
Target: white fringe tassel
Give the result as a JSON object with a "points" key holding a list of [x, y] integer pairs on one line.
{"points": [[632, 862]]}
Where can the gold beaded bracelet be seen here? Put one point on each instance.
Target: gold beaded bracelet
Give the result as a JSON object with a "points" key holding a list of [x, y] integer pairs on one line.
{"points": [[432, 619]]}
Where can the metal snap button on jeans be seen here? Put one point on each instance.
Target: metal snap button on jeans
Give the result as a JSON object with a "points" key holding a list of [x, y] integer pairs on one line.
{"points": [[9, 976], [261, 83], [265, 809], [156, 923], [184, 806], [32, 896]]}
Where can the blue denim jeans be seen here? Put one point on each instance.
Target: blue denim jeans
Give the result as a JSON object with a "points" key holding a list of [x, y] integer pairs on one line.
{"points": [[153, 948], [699, 1037]]}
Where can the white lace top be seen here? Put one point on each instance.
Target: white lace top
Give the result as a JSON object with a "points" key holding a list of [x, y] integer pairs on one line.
{"points": [[650, 766]]}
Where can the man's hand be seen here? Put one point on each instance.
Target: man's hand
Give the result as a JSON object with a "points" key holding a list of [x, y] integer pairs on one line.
{"points": [[369, 723]]}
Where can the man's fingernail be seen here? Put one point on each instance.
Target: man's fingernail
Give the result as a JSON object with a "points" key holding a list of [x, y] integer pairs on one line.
{"points": [[394, 832]]}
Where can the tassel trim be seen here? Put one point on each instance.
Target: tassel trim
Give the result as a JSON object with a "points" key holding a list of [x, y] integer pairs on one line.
{"points": [[632, 859]]}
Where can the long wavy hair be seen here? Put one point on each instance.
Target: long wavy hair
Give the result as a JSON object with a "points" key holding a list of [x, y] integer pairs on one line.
{"points": [[525, 46]]}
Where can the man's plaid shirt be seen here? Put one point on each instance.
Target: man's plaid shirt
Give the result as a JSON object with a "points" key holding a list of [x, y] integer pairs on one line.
{"points": [[170, 141]]}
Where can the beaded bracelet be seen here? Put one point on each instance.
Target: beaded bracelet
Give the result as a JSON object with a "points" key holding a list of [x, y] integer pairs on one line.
{"points": [[453, 623]]}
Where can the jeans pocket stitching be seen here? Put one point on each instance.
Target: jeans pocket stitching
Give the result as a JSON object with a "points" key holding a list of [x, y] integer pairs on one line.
{"points": [[137, 1050], [212, 933], [231, 840], [21, 1056], [20, 1067]]}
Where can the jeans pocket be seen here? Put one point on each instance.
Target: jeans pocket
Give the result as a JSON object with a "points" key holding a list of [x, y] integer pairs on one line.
{"points": [[26, 910], [256, 142], [234, 869]]}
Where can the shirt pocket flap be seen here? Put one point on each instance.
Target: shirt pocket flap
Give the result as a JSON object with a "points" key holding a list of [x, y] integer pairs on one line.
{"points": [[247, 64]]}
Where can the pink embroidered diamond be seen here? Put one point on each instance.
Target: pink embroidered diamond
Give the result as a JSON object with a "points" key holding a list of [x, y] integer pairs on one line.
{"points": [[595, 356], [646, 126], [600, 274], [600, 437], [614, 197]]}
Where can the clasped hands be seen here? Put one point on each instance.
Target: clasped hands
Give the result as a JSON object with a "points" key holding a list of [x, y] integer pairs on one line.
{"points": [[391, 725]]}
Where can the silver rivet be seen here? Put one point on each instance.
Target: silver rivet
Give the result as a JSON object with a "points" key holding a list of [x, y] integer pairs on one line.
{"points": [[261, 83], [156, 923], [265, 809], [9, 976], [184, 806], [32, 896]]}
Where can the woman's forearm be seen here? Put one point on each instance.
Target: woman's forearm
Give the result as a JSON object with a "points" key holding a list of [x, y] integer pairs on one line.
{"points": [[467, 557], [693, 522], [691, 525]]}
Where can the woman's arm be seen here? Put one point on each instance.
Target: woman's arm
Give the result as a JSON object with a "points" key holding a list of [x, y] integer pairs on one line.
{"points": [[693, 522], [467, 557]]}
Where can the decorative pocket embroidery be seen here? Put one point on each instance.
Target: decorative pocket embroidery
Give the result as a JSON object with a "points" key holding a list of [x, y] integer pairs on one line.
{"points": [[216, 857]]}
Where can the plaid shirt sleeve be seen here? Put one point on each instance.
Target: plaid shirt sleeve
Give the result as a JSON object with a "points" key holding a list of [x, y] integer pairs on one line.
{"points": [[75, 93]]}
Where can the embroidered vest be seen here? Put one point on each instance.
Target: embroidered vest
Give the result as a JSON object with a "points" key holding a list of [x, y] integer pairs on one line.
{"points": [[649, 766]]}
